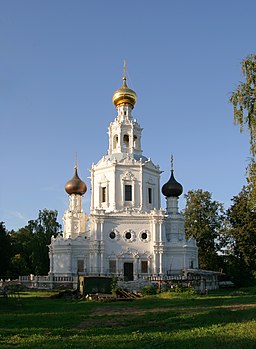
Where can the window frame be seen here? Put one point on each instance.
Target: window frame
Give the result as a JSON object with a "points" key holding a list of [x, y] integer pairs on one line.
{"points": [[112, 268], [144, 267], [128, 193], [80, 263], [150, 195], [104, 194]]}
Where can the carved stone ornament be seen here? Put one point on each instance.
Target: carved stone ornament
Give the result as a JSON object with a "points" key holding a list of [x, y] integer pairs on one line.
{"points": [[128, 176], [104, 179], [129, 235], [114, 235], [144, 235], [128, 253]]}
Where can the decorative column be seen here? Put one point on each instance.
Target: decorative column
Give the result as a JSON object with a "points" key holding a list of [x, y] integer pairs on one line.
{"points": [[92, 187], [161, 245], [101, 247], [114, 185], [133, 193], [141, 186]]}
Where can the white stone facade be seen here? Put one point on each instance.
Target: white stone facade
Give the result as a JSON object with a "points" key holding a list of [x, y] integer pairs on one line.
{"points": [[127, 233]]}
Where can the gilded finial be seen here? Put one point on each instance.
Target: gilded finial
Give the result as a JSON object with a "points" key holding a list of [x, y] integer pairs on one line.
{"points": [[76, 161], [124, 77], [75, 185], [124, 95], [171, 162]]}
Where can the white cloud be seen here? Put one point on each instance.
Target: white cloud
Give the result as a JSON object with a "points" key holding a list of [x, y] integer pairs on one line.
{"points": [[19, 215]]}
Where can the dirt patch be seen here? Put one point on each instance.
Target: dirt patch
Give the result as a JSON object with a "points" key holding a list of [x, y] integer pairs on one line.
{"points": [[236, 306], [117, 316], [103, 311], [109, 322]]}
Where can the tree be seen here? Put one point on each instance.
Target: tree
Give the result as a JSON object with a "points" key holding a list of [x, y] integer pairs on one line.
{"points": [[29, 244], [244, 102], [242, 221], [21, 247], [18, 266], [204, 221], [42, 229], [251, 179], [4, 251]]}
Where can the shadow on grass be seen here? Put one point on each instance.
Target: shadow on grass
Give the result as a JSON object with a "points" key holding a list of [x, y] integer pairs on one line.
{"points": [[198, 322]]}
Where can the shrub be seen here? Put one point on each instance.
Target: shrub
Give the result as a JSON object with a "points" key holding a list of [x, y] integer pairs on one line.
{"points": [[114, 287], [184, 290], [149, 290]]}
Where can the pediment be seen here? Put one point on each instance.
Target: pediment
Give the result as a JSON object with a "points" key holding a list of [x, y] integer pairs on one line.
{"points": [[128, 253]]}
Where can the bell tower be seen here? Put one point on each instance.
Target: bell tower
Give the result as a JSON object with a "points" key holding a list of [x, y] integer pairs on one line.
{"points": [[124, 132], [172, 190], [125, 178], [75, 219]]}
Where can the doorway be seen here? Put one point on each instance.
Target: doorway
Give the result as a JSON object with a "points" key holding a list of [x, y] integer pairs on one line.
{"points": [[128, 271]]}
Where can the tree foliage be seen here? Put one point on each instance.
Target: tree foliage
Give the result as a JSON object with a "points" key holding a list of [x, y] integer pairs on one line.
{"points": [[251, 178], [21, 247], [204, 221], [42, 230], [244, 102], [29, 245], [5, 252], [242, 231]]}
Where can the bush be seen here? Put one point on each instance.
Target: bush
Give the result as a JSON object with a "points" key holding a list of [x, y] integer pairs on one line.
{"points": [[114, 287], [185, 290], [149, 290]]}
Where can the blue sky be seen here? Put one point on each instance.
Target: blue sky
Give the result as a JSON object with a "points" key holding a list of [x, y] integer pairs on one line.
{"points": [[60, 63]]}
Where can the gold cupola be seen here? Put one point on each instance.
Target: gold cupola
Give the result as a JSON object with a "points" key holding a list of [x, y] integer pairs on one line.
{"points": [[124, 95]]}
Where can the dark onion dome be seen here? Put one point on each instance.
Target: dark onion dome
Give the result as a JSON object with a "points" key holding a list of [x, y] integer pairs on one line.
{"points": [[75, 185], [172, 188]]}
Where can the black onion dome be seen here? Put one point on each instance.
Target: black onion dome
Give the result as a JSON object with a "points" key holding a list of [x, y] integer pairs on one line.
{"points": [[75, 185], [172, 188]]}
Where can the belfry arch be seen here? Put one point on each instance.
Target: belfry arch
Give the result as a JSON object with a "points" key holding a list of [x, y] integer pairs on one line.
{"points": [[126, 139], [115, 141]]}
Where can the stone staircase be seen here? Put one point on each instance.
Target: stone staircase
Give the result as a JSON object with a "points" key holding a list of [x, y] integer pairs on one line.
{"points": [[132, 286]]}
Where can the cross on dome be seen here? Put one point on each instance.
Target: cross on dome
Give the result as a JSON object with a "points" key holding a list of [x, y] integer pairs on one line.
{"points": [[124, 95]]}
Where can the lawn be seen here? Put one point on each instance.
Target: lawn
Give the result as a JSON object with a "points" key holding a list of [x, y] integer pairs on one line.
{"points": [[225, 319]]}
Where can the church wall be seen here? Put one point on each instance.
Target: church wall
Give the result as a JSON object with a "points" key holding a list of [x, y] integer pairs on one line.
{"points": [[115, 176], [150, 180], [136, 240], [102, 178], [136, 248], [64, 254], [125, 175], [62, 262]]}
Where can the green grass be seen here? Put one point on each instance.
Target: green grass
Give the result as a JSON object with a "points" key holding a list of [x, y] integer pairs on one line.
{"points": [[225, 319]]}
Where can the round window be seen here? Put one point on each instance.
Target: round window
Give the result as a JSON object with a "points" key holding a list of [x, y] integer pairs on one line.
{"points": [[128, 235], [144, 236], [112, 235]]}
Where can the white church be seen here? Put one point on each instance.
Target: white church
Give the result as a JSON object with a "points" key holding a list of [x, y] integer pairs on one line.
{"points": [[126, 234]]}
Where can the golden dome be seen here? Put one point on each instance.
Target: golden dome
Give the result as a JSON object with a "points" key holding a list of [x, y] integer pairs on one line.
{"points": [[124, 95]]}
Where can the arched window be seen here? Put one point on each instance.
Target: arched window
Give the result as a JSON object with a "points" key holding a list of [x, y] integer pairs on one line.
{"points": [[135, 141], [144, 267], [126, 142], [115, 141]]}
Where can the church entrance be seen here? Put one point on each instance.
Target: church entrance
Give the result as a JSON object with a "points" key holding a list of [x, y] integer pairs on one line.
{"points": [[128, 271]]}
